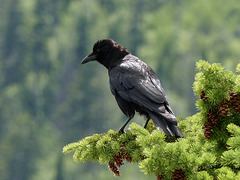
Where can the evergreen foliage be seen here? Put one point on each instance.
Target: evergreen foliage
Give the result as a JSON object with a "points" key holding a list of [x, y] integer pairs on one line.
{"points": [[211, 149], [47, 99]]}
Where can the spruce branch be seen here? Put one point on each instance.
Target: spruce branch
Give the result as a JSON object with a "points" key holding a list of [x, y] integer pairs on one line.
{"points": [[210, 149]]}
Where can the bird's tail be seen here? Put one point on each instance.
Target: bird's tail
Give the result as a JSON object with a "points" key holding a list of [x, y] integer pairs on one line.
{"points": [[166, 124]]}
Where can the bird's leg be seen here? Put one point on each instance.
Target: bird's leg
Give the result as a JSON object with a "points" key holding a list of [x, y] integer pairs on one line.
{"points": [[145, 126], [121, 130]]}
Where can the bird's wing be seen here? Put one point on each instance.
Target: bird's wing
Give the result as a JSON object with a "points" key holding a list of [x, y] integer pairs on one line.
{"points": [[138, 83]]}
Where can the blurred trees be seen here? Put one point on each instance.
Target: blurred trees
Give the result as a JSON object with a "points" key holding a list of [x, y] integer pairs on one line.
{"points": [[47, 99]]}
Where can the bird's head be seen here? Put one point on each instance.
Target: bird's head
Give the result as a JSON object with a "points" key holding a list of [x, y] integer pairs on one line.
{"points": [[106, 52]]}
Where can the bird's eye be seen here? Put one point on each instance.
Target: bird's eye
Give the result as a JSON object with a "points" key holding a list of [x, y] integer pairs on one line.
{"points": [[98, 50]]}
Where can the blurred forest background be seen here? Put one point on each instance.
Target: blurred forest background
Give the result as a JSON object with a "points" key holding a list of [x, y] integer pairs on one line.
{"points": [[47, 99]]}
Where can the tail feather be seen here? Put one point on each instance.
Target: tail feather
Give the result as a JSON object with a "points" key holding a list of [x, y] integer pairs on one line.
{"points": [[165, 125]]}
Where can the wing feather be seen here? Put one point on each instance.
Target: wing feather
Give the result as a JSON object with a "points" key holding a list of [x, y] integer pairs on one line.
{"points": [[139, 84]]}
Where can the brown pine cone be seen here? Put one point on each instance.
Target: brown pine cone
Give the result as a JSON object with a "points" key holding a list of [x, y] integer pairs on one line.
{"points": [[114, 168], [208, 127], [118, 160], [212, 115], [203, 97], [224, 108], [160, 176], [179, 174], [129, 159], [214, 121], [123, 154], [235, 101]]}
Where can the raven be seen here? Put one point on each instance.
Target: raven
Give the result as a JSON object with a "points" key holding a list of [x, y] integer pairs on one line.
{"points": [[135, 86]]}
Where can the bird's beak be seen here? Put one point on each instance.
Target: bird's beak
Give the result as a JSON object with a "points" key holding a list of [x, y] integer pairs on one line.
{"points": [[90, 57]]}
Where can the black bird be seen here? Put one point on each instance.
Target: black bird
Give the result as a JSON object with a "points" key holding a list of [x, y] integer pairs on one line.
{"points": [[135, 86]]}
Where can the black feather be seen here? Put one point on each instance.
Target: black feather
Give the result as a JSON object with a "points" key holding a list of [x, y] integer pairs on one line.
{"points": [[136, 87]]}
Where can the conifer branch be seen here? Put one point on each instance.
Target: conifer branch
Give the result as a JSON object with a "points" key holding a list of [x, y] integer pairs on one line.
{"points": [[211, 149]]}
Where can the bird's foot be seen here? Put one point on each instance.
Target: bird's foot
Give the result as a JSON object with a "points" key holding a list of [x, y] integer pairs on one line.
{"points": [[121, 131]]}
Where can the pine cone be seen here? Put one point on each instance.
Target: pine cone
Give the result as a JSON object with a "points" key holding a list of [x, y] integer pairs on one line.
{"points": [[129, 159], [123, 154], [224, 108], [235, 101], [118, 160], [203, 97], [114, 168], [179, 174], [208, 126], [160, 176], [212, 115], [212, 120]]}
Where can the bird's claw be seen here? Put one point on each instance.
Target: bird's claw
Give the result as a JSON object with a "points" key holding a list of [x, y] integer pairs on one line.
{"points": [[121, 131]]}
